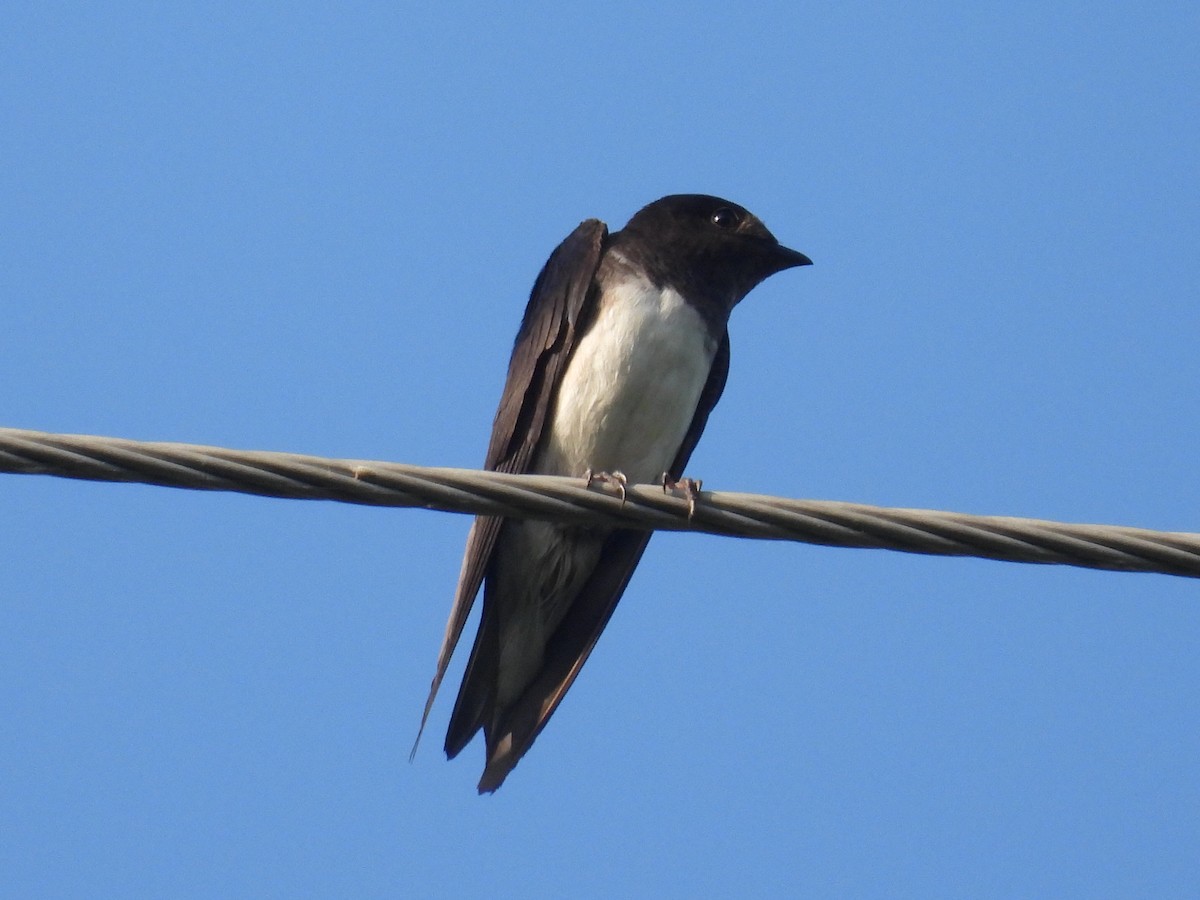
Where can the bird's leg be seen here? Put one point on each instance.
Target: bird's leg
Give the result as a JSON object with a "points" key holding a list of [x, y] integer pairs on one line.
{"points": [[690, 487], [616, 477]]}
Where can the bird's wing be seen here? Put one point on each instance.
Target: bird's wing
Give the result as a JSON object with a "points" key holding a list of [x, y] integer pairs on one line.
{"points": [[575, 637], [559, 301]]}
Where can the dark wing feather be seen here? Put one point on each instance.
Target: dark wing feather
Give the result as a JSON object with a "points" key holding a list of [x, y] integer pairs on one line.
{"points": [[544, 341], [575, 637], [713, 388]]}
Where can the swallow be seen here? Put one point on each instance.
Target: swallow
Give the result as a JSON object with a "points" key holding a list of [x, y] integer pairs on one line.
{"points": [[620, 358]]}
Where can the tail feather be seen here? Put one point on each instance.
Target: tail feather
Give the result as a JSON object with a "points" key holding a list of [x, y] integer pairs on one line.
{"points": [[473, 709], [514, 729]]}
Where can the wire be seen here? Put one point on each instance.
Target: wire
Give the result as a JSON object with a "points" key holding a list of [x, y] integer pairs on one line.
{"points": [[569, 500]]}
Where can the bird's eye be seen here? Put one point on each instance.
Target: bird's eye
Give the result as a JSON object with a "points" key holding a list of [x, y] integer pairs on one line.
{"points": [[724, 218]]}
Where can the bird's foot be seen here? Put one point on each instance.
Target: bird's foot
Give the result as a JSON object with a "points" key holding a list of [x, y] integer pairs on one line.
{"points": [[690, 487], [615, 477]]}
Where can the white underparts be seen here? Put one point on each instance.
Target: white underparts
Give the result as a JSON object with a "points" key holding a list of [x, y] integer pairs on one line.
{"points": [[625, 403], [631, 387]]}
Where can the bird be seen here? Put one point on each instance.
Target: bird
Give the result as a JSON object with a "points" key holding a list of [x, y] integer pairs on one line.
{"points": [[622, 353]]}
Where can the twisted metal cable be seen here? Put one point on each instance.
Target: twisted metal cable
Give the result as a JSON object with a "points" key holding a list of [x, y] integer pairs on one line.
{"points": [[373, 483]]}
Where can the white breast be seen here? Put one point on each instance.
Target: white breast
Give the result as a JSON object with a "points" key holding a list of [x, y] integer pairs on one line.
{"points": [[631, 387]]}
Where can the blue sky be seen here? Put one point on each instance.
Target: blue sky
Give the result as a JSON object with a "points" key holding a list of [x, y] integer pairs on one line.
{"points": [[286, 227]]}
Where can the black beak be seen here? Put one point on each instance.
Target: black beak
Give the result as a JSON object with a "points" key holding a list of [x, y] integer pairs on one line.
{"points": [[788, 258]]}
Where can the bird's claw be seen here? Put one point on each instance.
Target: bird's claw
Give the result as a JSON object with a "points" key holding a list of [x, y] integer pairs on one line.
{"points": [[615, 477], [690, 487]]}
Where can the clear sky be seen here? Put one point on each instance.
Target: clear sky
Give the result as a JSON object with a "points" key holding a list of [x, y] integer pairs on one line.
{"points": [[313, 228]]}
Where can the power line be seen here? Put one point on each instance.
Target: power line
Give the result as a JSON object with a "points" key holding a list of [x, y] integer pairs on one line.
{"points": [[373, 483]]}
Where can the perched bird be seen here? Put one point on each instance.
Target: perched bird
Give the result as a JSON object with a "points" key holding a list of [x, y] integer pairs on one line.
{"points": [[621, 356]]}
